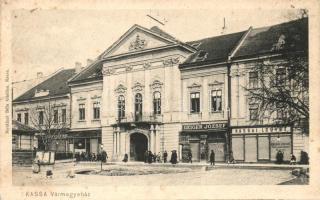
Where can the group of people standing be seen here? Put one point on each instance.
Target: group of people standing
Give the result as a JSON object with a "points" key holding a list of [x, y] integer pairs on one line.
{"points": [[211, 158], [149, 157], [92, 157]]}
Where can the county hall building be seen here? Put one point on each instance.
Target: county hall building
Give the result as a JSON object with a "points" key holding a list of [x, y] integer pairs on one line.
{"points": [[151, 91]]}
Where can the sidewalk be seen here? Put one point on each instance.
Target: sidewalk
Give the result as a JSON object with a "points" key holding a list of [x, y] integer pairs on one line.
{"points": [[196, 165]]}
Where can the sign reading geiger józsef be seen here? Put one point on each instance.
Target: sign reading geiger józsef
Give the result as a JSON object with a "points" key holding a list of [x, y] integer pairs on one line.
{"points": [[209, 126]]}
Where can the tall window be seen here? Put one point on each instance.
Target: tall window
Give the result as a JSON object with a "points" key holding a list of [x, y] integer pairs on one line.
{"points": [[55, 116], [26, 118], [253, 79], [157, 103], [96, 110], [216, 100], [253, 113], [195, 102], [280, 76], [121, 107], [63, 115], [19, 117], [82, 112], [138, 107], [40, 117]]}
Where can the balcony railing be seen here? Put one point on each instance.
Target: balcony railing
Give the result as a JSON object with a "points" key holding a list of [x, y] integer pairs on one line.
{"points": [[140, 117]]}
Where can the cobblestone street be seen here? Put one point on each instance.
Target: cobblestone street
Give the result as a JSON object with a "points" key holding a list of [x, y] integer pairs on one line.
{"points": [[166, 175]]}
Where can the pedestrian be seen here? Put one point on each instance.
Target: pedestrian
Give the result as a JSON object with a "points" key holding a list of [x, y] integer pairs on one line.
{"points": [[212, 157], [293, 160], [174, 156], [159, 157], [104, 156], [231, 158], [36, 165], [165, 156], [279, 157], [150, 157], [125, 158], [146, 156], [189, 156]]}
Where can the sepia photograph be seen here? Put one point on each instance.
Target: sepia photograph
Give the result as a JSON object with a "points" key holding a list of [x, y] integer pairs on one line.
{"points": [[158, 97]]}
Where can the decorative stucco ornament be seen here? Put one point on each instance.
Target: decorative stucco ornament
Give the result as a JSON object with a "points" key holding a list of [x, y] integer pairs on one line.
{"points": [[137, 44]]}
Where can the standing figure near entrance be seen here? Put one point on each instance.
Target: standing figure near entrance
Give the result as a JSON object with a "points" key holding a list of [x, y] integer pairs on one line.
{"points": [[212, 157], [125, 158], [165, 156], [190, 156], [150, 157], [146, 156], [104, 156], [174, 157]]}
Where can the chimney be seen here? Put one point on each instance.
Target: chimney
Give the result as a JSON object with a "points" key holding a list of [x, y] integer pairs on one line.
{"points": [[39, 74], [89, 61], [78, 67]]}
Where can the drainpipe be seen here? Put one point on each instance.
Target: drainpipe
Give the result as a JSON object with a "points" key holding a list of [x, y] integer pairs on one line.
{"points": [[228, 138]]}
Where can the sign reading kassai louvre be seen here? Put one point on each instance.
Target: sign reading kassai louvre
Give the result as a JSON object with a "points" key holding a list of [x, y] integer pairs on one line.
{"points": [[209, 126]]}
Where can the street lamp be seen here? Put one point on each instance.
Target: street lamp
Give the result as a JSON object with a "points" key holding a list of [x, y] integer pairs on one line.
{"points": [[101, 146]]}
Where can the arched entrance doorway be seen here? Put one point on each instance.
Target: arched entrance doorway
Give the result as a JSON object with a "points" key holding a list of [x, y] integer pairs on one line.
{"points": [[138, 146]]}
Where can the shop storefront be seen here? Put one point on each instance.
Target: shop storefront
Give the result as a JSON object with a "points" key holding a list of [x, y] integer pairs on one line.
{"points": [[85, 141], [200, 139], [261, 143]]}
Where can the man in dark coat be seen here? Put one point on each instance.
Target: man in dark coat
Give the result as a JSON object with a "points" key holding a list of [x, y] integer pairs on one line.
{"points": [[150, 157], [212, 157], [174, 157], [104, 156], [146, 156], [165, 156], [189, 156]]}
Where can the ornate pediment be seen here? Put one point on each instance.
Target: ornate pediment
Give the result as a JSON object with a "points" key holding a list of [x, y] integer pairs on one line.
{"points": [[138, 87], [81, 99], [95, 97], [137, 39], [156, 85], [215, 83], [194, 85], [120, 89]]}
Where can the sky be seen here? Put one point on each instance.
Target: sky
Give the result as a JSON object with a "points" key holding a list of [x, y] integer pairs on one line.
{"points": [[47, 40]]}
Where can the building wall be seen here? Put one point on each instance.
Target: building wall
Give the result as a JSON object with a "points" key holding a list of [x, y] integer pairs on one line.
{"points": [[31, 107], [204, 80], [87, 95]]}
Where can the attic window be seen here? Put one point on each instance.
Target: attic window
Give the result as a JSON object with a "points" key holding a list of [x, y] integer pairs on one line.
{"points": [[201, 56], [196, 45], [41, 93], [280, 44]]}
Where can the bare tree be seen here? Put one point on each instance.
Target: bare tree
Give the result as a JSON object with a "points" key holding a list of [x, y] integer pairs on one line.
{"points": [[279, 89], [51, 125]]}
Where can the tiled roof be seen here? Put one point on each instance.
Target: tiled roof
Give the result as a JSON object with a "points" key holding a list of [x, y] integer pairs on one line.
{"points": [[56, 85], [91, 72], [17, 126], [214, 48], [293, 34]]}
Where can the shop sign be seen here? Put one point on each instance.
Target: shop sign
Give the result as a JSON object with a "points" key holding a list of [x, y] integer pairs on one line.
{"points": [[57, 137], [281, 129], [209, 126]]}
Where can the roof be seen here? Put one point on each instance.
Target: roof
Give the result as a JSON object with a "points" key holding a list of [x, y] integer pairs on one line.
{"points": [[213, 49], [289, 36], [17, 126], [91, 72], [56, 85]]}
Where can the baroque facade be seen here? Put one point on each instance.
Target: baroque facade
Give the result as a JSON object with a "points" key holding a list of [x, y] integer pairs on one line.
{"points": [[150, 91]]}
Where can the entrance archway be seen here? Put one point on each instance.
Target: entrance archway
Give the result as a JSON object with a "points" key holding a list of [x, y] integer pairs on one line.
{"points": [[138, 146]]}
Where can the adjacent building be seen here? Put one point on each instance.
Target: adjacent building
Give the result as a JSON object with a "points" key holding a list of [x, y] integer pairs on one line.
{"points": [[151, 91]]}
